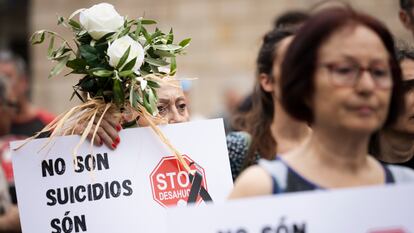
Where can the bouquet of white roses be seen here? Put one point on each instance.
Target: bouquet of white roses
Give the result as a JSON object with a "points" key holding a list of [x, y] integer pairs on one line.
{"points": [[119, 60]]}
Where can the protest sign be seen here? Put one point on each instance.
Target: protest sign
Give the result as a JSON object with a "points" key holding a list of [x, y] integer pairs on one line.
{"points": [[119, 190], [380, 209]]}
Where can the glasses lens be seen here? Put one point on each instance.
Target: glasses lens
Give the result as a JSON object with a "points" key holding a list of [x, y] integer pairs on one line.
{"points": [[343, 74]]}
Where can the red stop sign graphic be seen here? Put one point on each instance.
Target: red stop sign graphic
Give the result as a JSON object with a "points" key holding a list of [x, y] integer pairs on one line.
{"points": [[170, 182]]}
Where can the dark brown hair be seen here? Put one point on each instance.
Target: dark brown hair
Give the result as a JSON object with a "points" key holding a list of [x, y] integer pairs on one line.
{"points": [[299, 65], [258, 120]]}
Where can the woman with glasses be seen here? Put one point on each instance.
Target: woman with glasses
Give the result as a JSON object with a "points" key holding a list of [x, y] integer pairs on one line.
{"points": [[172, 107], [340, 75]]}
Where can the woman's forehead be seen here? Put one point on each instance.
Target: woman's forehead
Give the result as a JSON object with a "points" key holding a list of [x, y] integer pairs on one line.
{"points": [[354, 41], [170, 90]]}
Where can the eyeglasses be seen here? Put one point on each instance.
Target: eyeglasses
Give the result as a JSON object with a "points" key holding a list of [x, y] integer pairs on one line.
{"points": [[347, 74]]}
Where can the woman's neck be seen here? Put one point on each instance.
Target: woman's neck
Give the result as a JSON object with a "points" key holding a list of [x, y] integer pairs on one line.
{"points": [[344, 150], [287, 131]]}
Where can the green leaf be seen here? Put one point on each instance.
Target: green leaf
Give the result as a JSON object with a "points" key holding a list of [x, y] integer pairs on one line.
{"points": [[154, 69], [152, 101], [138, 29], [156, 34], [50, 48], [84, 38], [147, 105], [185, 42], [75, 25], [124, 32], [88, 53], [61, 52], [148, 21], [163, 53], [143, 72], [88, 84], [166, 47], [156, 62], [153, 84], [170, 37], [118, 92], [173, 66], [146, 35], [131, 93], [125, 73], [103, 41], [76, 64], [60, 20], [58, 68], [103, 73], [75, 92], [129, 65], [123, 58], [38, 37]]}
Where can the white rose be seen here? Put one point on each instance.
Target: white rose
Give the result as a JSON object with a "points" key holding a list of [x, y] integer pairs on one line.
{"points": [[120, 46], [100, 19]]}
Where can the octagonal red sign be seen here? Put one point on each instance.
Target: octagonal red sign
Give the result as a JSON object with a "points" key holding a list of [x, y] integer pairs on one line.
{"points": [[170, 182]]}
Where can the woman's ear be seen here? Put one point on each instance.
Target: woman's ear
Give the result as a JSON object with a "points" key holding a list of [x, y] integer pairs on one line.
{"points": [[266, 82]]}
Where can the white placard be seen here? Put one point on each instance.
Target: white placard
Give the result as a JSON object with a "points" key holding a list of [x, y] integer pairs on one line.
{"points": [[381, 209], [123, 178]]}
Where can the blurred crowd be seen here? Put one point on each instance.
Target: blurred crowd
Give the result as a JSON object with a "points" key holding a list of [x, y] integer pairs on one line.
{"points": [[332, 106]]}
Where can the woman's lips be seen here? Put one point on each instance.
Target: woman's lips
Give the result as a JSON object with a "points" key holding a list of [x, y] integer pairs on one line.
{"points": [[364, 110]]}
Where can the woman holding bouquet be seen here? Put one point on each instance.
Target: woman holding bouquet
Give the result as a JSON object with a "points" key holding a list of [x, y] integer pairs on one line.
{"points": [[341, 76], [172, 106]]}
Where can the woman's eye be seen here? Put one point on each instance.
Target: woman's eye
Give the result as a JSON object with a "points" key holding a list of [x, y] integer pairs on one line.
{"points": [[162, 109], [344, 70], [182, 107], [379, 73]]}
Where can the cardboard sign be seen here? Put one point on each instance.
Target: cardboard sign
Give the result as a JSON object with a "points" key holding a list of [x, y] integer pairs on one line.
{"points": [[122, 190], [380, 209]]}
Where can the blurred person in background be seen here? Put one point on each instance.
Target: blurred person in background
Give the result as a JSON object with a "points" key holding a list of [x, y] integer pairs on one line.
{"points": [[265, 129], [232, 100], [289, 20], [29, 119], [9, 215], [341, 76], [187, 87], [406, 15], [395, 144]]}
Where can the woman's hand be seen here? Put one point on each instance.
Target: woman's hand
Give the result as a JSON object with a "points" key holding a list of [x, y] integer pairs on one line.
{"points": [[107, 132]]}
